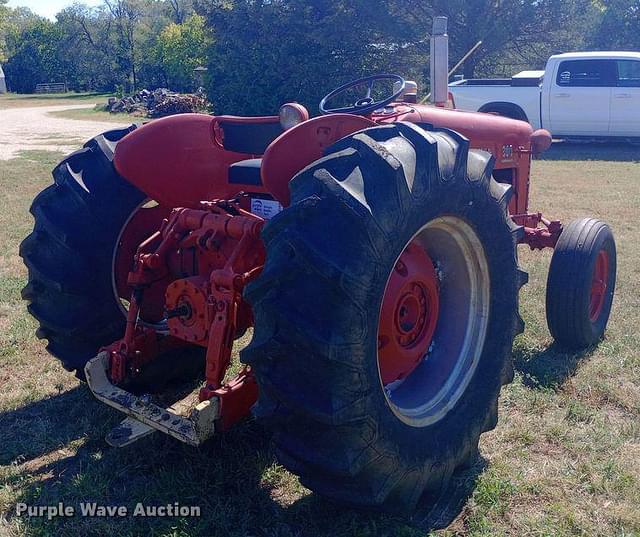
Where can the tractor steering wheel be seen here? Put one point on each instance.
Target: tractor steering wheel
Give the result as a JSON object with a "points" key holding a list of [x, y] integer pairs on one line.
{"points": [[367, 104]]}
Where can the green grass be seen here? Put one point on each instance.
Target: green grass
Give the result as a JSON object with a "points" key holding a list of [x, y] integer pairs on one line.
{"points": [[96, 114], [563, 461], [15, 100]]}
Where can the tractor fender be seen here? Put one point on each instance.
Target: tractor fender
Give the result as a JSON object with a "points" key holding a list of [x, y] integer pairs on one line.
{"points": [[298, 147], [178, 161]]}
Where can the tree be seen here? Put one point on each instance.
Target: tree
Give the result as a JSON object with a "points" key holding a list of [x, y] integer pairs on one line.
{"points": [[619, 26], [4, 11], [270, 51], [181, 48], [267, 52], [89, 38], [511, 30], [104, 46], [37, 57], [180, 10], [127, 15], [12, 22]]}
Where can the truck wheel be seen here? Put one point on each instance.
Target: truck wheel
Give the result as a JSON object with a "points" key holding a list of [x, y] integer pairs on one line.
{"points": [[509, 110], [385, 315], [70, 252], [581, 283]]}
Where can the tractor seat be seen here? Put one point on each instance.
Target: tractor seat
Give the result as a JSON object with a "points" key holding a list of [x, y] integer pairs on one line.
{"points": [[246, 172]]}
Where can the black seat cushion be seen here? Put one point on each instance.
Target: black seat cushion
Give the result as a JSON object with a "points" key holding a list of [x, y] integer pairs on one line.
{"points": [[251, 138], [246, 172]]}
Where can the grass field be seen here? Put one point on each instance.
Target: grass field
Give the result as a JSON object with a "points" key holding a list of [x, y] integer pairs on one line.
{"points": [[15, 100], [95, 114], [564, 459]]}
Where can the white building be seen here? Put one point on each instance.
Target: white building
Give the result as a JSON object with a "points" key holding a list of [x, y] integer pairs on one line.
{"points": [[3, 81]]}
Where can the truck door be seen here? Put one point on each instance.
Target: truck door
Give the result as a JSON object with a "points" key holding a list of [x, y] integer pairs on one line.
{"points": [[625, 105], [580, 99]]}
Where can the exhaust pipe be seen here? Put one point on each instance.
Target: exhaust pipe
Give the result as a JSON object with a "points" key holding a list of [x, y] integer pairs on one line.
{"points": [[439, 59]]}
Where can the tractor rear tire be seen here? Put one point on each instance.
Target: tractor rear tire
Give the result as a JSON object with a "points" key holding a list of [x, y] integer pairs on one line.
{"points": [[70, 252], [317, 307], [581, 284]]}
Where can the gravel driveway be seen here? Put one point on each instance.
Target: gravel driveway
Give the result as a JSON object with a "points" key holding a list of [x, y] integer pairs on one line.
{"points": [[28, 129]]}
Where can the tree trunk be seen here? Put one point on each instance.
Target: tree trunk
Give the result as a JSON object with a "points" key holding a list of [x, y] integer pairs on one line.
{"points": [[133, 70]]}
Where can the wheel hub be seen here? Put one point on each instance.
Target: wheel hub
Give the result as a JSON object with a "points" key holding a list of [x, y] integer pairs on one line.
{"points": [[409, 314], [433, 322]]}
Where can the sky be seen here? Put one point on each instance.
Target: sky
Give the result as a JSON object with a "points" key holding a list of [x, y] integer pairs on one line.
{"points": [[48, 8]]}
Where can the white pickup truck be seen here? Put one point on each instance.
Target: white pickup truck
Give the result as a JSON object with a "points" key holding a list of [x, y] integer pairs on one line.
{"points": [[578, 95]]}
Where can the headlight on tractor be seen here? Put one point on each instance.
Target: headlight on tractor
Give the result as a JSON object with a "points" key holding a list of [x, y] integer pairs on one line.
{"points": [[291, 114]]}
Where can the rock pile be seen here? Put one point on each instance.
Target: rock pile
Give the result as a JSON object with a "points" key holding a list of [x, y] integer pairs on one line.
{"points": [[159, 103]]}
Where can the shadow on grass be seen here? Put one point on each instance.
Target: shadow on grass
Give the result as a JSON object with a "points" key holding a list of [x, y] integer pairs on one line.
{"points": [[549, 368], [56, 451], [620, 151], [42, 426]]}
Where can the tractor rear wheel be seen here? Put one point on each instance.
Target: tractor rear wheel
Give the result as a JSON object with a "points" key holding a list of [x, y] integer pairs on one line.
{"points": [[70, 252], [581, 283], [385, 315]]}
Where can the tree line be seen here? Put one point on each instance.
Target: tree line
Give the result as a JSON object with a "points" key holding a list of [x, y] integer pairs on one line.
{"points": [[121, 44], [260, 53]]}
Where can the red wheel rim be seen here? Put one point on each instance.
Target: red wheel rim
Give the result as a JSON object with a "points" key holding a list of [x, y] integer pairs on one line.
{"points": [[432, 327], [409, 314], [599, 285]]}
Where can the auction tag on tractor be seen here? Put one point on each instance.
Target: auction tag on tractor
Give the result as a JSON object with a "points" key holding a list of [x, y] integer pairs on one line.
{"points": [[265, 208]]}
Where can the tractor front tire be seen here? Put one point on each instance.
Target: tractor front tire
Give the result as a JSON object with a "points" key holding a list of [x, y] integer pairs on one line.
{"points": [[581, 284], [376, 195], [70, 252]]}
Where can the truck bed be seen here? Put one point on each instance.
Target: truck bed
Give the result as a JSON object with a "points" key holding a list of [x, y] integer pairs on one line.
{"points": [[522, 79]]}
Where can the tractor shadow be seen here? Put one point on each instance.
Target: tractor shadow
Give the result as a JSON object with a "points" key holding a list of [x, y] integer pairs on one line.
{"points": [[583, 151], [53, 450], [36, 429], [549, 368]]}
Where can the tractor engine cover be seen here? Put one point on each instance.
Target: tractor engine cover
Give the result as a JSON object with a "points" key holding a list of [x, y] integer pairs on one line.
{"points": [[187, 303]]}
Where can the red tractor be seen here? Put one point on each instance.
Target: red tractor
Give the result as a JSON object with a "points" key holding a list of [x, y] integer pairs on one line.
{"points": [[372, 250]]}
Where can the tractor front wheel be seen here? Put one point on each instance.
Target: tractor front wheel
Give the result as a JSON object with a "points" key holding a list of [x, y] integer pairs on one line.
{"points": [[581, 283], [385, 315]]}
